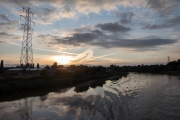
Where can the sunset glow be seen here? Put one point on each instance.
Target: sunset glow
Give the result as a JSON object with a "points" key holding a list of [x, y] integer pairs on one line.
{"points": [[125, 32], [63, 59]]}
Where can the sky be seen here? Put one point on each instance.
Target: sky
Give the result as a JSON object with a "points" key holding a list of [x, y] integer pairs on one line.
{"points": [[93, 32]]}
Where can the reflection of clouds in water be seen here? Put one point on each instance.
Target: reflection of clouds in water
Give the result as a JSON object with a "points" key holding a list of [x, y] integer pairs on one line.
{"points": [[9, 110], [98, 103], [93, 104], [128, 98], [19, 109]]}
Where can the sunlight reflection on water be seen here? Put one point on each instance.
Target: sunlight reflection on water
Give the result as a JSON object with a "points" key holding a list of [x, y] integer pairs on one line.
{"points": [[137, 96]]}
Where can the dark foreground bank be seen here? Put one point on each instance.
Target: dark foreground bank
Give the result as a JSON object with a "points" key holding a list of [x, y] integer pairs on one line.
{"points": [[23, 85]]}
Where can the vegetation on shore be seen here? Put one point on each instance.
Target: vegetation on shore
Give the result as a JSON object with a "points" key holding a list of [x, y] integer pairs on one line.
{"points": [[62, 78], [171, 68], [57, 77]]}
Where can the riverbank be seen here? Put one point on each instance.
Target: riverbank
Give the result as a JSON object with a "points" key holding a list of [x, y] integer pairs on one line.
{"points": [[23, 85], [176, 73]]}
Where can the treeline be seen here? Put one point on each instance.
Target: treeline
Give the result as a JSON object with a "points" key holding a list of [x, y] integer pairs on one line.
{"points": [[79, 71], [58, 77], [171, 66]]}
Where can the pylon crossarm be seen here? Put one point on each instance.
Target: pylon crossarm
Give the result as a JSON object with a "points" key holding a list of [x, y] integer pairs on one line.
{"points": [[27, 19]]}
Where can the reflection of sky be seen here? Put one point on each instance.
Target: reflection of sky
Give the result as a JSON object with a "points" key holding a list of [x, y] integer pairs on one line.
{"points": [[133, 97]]}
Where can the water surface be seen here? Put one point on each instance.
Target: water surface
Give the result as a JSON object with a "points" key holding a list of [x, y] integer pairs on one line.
{"points": [[137, 96]]}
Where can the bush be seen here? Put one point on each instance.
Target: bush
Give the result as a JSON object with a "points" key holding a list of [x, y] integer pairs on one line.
{"points": [[178, 68], [1, 71], [44, 72]]}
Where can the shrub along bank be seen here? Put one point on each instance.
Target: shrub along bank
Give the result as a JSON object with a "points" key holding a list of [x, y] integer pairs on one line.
{"points": [[19, 85]]}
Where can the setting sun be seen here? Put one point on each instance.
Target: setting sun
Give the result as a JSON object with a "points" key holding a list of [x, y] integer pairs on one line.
{"points": [[63, 59]]}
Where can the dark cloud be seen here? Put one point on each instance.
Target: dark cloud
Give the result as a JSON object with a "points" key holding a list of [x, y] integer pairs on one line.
{"points": [[125, 18], [167, 24], [100, 39], [99, 32], [156, 4], [78, 39], [163, 6], [47, 35], [46, 11], [113, 27], [135, 43]]}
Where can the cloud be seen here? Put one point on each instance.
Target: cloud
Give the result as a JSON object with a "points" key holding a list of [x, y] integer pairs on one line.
{"points": [[49, 15], [4, 34], [4, 17], [85, 6], [167, 24], [7, 36], [78, 39], [7, 25], [86, 55], [60, 9], [46, 39], [163, 6], [7, 28], [113, 27], [103, 40], [125, 17], [135, 43]]}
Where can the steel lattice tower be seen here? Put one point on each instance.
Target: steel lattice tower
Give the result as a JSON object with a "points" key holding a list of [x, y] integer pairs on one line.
{"points": [[26, 50]]}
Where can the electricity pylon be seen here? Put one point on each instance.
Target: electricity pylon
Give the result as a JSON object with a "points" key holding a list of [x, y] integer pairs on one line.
{"points": [[26, 50]]}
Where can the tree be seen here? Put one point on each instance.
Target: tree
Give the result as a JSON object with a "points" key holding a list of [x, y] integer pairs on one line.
{"points": [[47, 67], [38, 65], [54, 65], [44, 72]]}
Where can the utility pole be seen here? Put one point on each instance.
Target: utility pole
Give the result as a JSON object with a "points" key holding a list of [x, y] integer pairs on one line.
{"points": [[26, 50]]}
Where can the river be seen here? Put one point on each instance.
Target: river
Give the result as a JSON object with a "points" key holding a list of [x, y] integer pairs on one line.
{"points": [[135, 97]]}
